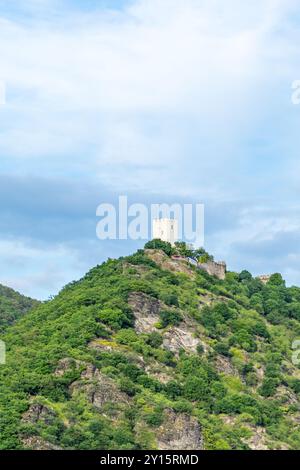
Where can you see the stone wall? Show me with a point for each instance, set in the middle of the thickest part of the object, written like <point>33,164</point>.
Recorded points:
<point>264,278</point>
<point>214,268</point>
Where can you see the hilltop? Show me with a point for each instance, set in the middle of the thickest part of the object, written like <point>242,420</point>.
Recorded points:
<point>12,306</point>
<point>150,352</point>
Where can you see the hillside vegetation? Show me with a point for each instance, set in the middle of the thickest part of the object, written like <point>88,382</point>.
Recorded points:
<point>147,352</point>
<point>12,306</point>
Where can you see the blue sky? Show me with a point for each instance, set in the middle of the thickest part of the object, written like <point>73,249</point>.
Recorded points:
<point>166,101</point>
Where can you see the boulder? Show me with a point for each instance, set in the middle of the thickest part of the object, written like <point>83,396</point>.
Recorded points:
<point>176,339</point>
<point>179,431</point>
<point>145,310</point>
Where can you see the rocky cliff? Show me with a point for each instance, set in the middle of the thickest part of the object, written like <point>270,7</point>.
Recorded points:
<point>149,352</point>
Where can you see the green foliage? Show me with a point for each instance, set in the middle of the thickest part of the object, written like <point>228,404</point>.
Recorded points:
<point>154,339</point>
<point>154,417</point>
<point>268,387</point>
<point>199,254</point>
<point>170,317</point>
<point>13,306</point>
<point>158,244</point>
<point>223,348</point>
<point>276,280</point>
<point>245,276</point>
<point>196,388</point>
<point>114,318</point>
<point>241,368</point>
<point>170,299</point>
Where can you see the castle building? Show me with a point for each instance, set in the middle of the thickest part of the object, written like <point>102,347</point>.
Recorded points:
<point>166,230</point>
<point>264,278</point>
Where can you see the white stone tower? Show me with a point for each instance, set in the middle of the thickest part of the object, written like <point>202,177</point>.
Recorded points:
<point>165,229</point>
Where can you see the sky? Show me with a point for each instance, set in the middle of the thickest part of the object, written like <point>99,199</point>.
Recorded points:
<point>163,101</point>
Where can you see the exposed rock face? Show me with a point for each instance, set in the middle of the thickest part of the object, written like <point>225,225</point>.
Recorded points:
<point>214,269</point>
<point>98,388</point>
<point>38,412</point>
<point>66,364</point>
<point>179,432</point>
<point>224,365</point>
<point>159,372</point>
<point>146,311</point>
<point>178,264</point>
<point>171,264</point>
<point>286,396</point>
<point>176,339</point>
<point>37,443</point>
<point>258,440</point>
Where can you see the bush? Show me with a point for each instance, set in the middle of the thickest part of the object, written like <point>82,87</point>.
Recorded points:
<point>245,276</point>
<point>276,280</point>
<point>182,406</point>
<point>127,386</point>
<point>170,317</point>
<point>173,389</point>
<point>170,299</point>
<point>154,417</point>
<point>268,387</point>
<point>114,318</point>
<point>157,244</point>
<point>127,336</point>
<point>200,349</point>
<point>196,388</point>
<point>154,339</point>
<point>223,349</point>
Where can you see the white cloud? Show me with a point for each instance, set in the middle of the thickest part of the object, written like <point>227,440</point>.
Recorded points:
<point>38,271</point>
<point>91,78</point>
<point>190,98</point>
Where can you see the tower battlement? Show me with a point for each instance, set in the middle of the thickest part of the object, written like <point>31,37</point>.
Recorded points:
<point>165,229</point>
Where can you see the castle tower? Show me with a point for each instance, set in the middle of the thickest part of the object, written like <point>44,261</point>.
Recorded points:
<point>165,229</point>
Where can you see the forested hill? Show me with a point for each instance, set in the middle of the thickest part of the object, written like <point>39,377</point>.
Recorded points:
<point>12,306</point>
<point>148,352</point>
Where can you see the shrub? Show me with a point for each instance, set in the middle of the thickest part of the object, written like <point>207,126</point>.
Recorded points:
<point>170,299</point>
<point>196,388</point>
<point>268,387</point>
<point>154,339</point>
<point>173,389</point>
<point>114,318</point>
<point>127,386</point>
<point>182,406</point>
<point>276,280</point>
<point>154,417</point>
<point>223,349</point>
<point>157,244</point>
<point>170,317</point>
<point>245,276</point>
<point>127,336</point>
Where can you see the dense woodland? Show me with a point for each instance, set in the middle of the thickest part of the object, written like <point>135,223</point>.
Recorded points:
<point>239,322</point>
<point>12,306</point>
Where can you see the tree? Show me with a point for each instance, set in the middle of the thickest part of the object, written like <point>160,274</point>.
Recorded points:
<point>157,244</point>
<point>276,280</point>
<point>170,317</point>
<point>183,250</point>
<point>245,276</point>
<point>196,388</point>
<point>268,387</point>
<point>223,349</point>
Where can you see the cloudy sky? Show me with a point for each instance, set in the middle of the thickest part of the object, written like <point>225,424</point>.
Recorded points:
<point>164,101</point>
